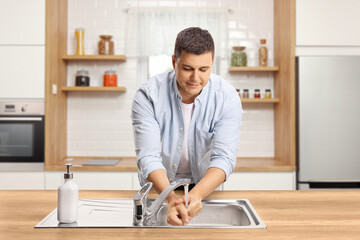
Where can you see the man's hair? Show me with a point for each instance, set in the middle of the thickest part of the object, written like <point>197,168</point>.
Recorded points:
<point>194,40</point>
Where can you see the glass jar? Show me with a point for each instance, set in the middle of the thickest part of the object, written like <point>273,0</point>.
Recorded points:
<point>267,93</point>
<point>263,53</point>
<point>257,93</point>
<point>82,78</point>
<point>110,78</point>
<point>238,57</point>
<point>106,45</point>
<point>245,93</point>
<point>79,34</point>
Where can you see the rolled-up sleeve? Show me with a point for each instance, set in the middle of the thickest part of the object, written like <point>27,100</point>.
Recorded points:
<point>226,136</point>
<point>147,136</point>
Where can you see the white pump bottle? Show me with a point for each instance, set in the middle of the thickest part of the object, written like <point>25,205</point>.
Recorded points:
<point>68,194</point>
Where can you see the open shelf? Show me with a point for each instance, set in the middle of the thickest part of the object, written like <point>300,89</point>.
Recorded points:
<point>119,58</point>
<point>94,89</point>
<point>253,69</point>
<point>260,100</point>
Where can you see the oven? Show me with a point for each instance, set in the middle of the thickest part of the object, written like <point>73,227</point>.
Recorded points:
<point>22,131</point>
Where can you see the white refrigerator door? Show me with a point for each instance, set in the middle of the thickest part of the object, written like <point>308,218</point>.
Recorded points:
<point>329,118</point>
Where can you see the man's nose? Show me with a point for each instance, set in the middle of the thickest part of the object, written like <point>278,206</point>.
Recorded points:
<point>195,75</point>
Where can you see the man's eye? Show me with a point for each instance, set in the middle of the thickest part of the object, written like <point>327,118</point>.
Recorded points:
<point>187,69</point>
<point>203,70</point>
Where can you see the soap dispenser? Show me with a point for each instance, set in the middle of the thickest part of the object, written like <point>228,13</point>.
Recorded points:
<point>68,194</point>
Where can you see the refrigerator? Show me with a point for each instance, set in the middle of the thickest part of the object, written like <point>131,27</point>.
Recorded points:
<point>328,122</point>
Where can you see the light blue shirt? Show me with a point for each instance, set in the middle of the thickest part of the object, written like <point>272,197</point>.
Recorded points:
<point>158,127</point>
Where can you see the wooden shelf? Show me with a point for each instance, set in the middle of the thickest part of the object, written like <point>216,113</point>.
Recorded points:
<point>119,58</point>
<point>94,89</point>
<point>260,100</point>
<point>253,69</point>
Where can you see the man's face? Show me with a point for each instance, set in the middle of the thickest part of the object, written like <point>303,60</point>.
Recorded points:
<point>192,73</point>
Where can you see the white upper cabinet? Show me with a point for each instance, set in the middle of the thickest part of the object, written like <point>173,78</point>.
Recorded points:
<point>328,23</point>
<point>22,71</point>
<point>22,22</point>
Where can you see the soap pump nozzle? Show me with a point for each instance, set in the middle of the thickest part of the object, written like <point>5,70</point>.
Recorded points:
<point>68,174</point>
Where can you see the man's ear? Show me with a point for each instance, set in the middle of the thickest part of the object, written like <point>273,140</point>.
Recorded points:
<point>173,61</point>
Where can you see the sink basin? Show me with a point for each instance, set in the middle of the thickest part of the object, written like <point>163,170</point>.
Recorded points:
<point>217,213</point>
<point>111,213</point>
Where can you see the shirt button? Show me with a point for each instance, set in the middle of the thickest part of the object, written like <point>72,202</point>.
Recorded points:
<point>181,129</point>
<point>178,148</point>
<point>174,165</point>
<point>179,108</point>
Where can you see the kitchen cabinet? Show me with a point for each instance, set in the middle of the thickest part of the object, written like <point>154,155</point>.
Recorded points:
<point>22,22</point>
<point>22,71</point>
<point>261,181</point>
<point>21,180</point>
<point>95,180</point>
<point>327,23</point>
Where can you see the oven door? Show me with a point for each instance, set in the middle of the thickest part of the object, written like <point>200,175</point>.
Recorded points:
<point>21,138</point>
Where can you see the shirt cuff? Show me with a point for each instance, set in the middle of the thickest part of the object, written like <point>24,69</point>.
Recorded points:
<point>223,164</point>
<point>148,165</point>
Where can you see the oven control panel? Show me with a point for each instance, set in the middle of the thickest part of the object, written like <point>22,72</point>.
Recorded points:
<point>22,107</point>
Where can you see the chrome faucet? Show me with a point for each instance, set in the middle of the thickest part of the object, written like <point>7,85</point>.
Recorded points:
<point>141,211</point>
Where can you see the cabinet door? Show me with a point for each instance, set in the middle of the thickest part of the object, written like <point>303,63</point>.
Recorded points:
<point>22,22</point>
<point>21,180</point>
<point>327,23</point>
<point>22,71</point>
<point>261,181</point>
<point>93,180</point>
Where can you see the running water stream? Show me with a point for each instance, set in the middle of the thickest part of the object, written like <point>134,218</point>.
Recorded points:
<point>186,189</point>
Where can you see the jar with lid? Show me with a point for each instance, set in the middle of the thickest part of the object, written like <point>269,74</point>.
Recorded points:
<point>238,57</point>
<point>257,93</point>
<point>110,78</point>
<point>263,53</point>
<point>106,45</point>
<point>245,93</point>
<point>82,78</point>
<point>79,34</point>
<point>267,93</point>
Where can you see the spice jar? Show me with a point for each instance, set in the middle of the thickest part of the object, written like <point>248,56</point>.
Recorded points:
<point>79,34</point>
<point>245,93</point>
<point>263,53</point>
<point>238,57</point>
<point>257,93</point>
<point>82,78</point>
<point>238,91</point>
<point>110,79</point>
<point>267,93</point>
<point>106,45</point>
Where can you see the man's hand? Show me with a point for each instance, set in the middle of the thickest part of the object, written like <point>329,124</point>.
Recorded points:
<point>177,213</point>
<point>195,205</point>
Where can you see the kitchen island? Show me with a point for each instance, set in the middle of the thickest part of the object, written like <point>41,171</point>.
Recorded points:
<point>322,214</point>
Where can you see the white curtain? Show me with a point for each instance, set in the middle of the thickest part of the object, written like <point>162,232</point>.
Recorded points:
<point>152,31</point>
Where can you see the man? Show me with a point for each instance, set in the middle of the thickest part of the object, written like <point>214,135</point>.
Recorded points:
<point>187,125</point>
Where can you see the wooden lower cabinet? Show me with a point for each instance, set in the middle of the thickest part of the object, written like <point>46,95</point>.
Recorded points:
<point>261,181</point>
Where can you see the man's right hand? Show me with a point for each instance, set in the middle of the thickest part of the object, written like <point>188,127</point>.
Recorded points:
<point>177,213</point>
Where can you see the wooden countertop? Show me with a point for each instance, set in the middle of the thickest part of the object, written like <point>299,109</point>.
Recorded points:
<point>310,214</point>
<point>128,164</point>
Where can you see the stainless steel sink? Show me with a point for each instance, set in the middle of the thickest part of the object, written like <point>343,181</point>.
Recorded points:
<point>102,213</point>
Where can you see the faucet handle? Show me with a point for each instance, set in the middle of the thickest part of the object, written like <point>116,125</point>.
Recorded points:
<point>141,194</point>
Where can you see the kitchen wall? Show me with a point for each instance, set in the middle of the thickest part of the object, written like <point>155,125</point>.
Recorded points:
<point>99,124</point>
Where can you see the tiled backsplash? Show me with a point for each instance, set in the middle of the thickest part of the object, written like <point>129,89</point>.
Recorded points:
<point>99,123</point>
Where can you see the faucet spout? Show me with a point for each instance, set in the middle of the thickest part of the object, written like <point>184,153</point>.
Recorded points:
<point>164,194</point>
